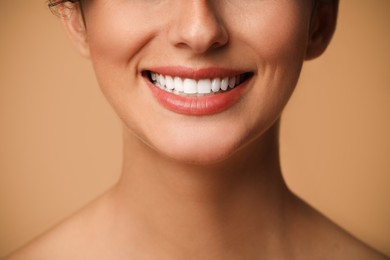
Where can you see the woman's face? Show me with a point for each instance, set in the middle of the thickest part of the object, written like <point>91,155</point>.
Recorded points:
<point>142,49</point>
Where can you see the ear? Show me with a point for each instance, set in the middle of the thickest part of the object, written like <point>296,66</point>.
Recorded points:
<point>74,24</point>
<point>322,27</point>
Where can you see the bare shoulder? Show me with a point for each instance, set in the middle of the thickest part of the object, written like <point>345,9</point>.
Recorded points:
<point>67,240</point>
<point>51,245</point>
<point>323,239</point>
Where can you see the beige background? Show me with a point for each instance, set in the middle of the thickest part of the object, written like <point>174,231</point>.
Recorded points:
<point>60,142</point>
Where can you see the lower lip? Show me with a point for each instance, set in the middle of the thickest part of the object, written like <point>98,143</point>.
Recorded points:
<point>198,106</point>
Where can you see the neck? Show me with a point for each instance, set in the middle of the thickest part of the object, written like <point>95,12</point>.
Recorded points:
<point>212,206</point>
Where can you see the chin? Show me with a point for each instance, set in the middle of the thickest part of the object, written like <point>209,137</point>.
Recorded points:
<point>200,151</point>
<point>199,157</point>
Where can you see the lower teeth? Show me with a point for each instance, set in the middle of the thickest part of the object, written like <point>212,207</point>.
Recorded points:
<point>181,93</point>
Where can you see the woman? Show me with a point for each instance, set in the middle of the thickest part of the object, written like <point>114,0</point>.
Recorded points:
<point>199,86</point>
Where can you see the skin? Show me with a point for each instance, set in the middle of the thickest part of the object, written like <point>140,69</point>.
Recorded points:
<point>199,187</point>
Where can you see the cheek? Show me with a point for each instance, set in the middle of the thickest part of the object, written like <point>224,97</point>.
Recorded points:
<point>277,38</point>
<point>277,32</point>
<point>115,46</point>
<point>118,40</point>
<point>281,45</point>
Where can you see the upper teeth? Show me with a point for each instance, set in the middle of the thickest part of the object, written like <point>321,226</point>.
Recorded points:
<point>191,86</point>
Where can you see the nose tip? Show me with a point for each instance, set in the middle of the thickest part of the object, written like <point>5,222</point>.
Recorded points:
<point>198,28</point>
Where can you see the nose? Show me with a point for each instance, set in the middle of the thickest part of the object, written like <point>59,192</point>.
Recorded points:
<point>197,26</point>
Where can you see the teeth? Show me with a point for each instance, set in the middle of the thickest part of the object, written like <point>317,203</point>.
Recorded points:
<point>161,80</point>
<point>169,83</point>
<point>224,83</point>
<point>204,86</point>
<point>190,86</point>
<point>216,85</point>
<point>232,82</point>
<point>178,84</point>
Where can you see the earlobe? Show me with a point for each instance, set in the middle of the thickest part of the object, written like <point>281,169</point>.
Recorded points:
<point>322,27</point>
<point>73,22</point>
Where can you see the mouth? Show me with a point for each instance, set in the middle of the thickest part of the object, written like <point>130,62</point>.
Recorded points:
<point>200,92</point>
<point>196,86</point>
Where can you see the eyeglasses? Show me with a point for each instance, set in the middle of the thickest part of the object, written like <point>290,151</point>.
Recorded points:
<point>53,3</point>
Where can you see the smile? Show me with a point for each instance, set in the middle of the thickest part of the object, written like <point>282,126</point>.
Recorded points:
<point>192,87</point>
<point>197,92</point>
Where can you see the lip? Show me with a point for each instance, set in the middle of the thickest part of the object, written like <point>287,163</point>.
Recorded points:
<point>202,73</point>
<point>197,105</point>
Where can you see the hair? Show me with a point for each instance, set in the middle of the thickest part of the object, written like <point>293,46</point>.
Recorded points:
<point>61,8</point>
<point>65,8</point>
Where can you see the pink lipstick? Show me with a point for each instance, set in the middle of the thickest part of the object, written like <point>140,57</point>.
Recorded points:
<point>199,92</point>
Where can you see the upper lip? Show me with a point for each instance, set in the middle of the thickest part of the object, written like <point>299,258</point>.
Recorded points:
<point>199,73</point>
